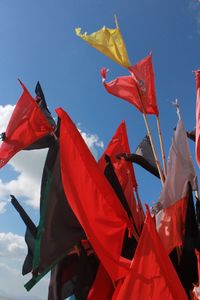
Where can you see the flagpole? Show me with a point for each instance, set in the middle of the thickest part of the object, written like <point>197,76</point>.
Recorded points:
<point>162,178</point>
<point>161,145</point>
<point>153,147</point>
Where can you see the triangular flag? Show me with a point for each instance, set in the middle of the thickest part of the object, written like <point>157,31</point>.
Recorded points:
<point>27,124</point>
<point>109,42</point>
<point>152,275</point>
<point>138,89</point>
<point>92,199</point>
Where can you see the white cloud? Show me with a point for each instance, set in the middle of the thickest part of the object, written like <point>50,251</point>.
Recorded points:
<point>12,246</point>
<point>93,142</point>
<point>5,113</point>
<point>2,205</point>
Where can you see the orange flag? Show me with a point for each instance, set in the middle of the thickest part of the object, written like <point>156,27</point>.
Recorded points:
<point>138,89</point>
<point>152,275</point>
<point>197,141</point>
<point>92,199</point>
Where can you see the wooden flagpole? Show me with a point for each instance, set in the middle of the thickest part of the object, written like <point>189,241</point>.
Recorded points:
<point>153,146</point>
<point>149,134</point>
<point>161,145</point>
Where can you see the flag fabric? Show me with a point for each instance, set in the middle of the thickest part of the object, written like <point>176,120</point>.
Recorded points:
<point>42,103</point>
<point>92,199</point>
<point>124,170</point>
<point>130,238</point>
<point>173,199</point>
<point>197,141</point>
<point>27,124</point>
<point>151,275</point>
<point>103,287</point>
<point>109,42</point>
<point>74,274</point>
<point>30,236</point>
<point>187,264</point>
<point>143,156</point>
<point>138,89</point>
<point>192,134</point>
<point>58,230</point>
<point>47,140</point>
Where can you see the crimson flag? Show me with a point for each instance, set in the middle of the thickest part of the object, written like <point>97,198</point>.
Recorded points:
<point>138,89</point>
<point>92,199</point>
<point>152,275</point>
<point>27,124</point>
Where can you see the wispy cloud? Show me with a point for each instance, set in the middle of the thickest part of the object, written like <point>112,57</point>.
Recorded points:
<point>12,246</point>
<point>12,277</point>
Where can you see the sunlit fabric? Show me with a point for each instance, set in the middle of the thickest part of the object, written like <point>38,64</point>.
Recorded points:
<point>109,42</point>
<point>27,124</point>
<point>138,89</point>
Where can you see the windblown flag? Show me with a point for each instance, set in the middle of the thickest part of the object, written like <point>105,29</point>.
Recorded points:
<point>103,287</point>
<point>59,229</point>
<point>192,134</point>
<point>74,274</point>
<point>151,275</point>
<point>197,141</point>
<point>92,199</point>
<point>138,89</point>
<point>123,169</point>
<point>27,124</point>
<point>109,42</point>
<point>47,140</point>
<point>42,103</point>
<point>143,156</point>
<point>187,269</point>
<point>30,236</point>
<point>173,200</point>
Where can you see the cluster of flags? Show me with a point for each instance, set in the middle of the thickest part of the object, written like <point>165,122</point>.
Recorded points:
<point>93,234</point>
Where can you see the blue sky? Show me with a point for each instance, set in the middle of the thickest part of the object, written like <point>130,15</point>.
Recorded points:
<point>38,42</point>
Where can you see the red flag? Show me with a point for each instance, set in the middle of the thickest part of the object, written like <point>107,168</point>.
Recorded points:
<point>197,141</point>
<point>103,287</point>
<point>92,199</point>
<point>27,124</point>
<point>123,169</point>
<point>138,89</point>
<point>152,275</point>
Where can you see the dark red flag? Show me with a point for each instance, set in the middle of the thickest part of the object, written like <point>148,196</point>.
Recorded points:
<point>92,199</point>
<point>138,89</point>
<point>27,124</point>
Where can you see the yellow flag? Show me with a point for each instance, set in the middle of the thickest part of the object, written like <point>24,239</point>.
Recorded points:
<point>109,42</point>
